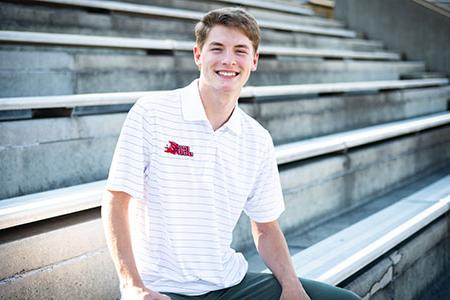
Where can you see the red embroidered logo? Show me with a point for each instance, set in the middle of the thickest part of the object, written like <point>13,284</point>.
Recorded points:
<point>176,149</point>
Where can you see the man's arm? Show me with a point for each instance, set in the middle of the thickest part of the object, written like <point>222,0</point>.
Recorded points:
<point>272,247</point>
<point>116,226</point>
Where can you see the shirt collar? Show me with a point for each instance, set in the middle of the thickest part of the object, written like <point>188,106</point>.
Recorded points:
<point>193,110</point>
<point>234,122</point>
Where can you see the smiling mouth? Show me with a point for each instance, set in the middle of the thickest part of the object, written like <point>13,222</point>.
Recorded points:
<point>227,74</point>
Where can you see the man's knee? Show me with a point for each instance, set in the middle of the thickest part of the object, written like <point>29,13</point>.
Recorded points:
<point>317,290</point>
<point>349,295</point>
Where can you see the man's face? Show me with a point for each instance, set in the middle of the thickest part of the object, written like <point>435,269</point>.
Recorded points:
<point>226,59</point>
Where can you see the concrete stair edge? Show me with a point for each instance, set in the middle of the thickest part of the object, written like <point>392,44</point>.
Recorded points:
<point>34,207</point>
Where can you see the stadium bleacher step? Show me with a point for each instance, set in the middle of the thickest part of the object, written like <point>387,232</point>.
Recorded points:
<point>292,14</point>
<point>352,140</point>
<point>178,23</point>
<point>422,75</point>
<point>291,118</point>
<point>32,38</point>
<point>81,244</point>
<point>39,206</point>
<point>311,235</point>
<point>440,289</point>
<point>89,70</point>
<point>249,94</point>
<point>94,136</point>
<point>274,6</point>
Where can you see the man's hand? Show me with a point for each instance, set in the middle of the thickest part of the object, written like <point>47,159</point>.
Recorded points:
<point>137,293</point>
<point>294,292</point>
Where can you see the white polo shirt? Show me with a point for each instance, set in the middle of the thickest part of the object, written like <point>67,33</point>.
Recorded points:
<point>189,185</point>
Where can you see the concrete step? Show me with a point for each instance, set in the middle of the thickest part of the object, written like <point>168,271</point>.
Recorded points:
<point>299,240</point>
<point>65,256</point>
<point>410,229</point>
<point>439,288</point>
<point>277,5</point>
<point>263,14</point>
<point>76,40</point>
<point>94,17</point>
<point>296,117</point>
<point>203,6</point>
<point>421,75</point>
<point>67,151</point>
<point>145,21</point>
<point>339,182</point>
<point>28,208</point>
<point>249,94</point>
<point>41,253</point>
<point>310,110</point>
<point>277,10</point>
<point>43,71</point>
<point>65,259</point>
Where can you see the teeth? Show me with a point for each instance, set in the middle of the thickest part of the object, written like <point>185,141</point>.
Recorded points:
<point>227,73</point>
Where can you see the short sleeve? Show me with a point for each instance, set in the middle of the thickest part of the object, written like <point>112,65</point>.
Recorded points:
<point>265,202</point>
<point>130,160</point>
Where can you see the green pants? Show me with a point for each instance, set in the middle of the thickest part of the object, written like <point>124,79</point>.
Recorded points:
<point>262,286</point>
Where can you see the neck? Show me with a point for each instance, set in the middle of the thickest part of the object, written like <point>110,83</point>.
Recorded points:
<point>218,105</point>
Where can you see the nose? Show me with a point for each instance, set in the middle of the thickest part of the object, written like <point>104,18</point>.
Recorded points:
<point>228,58</point>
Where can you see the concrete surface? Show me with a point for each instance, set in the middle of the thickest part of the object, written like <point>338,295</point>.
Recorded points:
<point>313,233</point>
<point>34,246</point>
<point>395,275</point>
<point>44,154</point>
<point>98,71</point>
<point>62,258</point>
<point>295,119</point>
<point>324,187</point>
<point>98,19</point>
<point>391,22</point>
<point>439,289</point>
<point>65,258</point>
<point>79,21</point>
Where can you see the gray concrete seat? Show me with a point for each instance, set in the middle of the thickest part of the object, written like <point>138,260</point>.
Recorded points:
<point>40,206</point>
<point>189,14</point>
<point>133,20</point>
<point>84,64</point>
<point>40,70</point>
<point>274,6</point>
<point>32,38</point>
<point>82,255</point>
<point>341,255</point>
<point>78,149</point>
<point>368,248</point>
<point>346,131</point>
<point>249,94</point>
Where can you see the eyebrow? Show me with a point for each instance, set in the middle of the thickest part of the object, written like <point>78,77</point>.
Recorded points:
<point>212,44</point>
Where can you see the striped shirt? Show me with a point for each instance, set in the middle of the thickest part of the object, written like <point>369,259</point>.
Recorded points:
<point>189,185</point>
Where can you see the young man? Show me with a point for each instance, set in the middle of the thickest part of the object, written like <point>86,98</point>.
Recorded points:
<point>187,163</point>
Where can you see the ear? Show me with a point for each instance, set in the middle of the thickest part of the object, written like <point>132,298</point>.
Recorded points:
<point>255,61</point>
<point>197,54</point>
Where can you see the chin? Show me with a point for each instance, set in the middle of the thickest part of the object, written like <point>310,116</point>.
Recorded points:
<point>229,87</point>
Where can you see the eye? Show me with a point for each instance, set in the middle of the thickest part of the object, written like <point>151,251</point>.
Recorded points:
<point>215,49</point>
